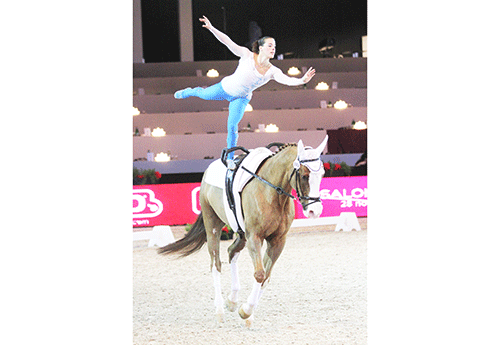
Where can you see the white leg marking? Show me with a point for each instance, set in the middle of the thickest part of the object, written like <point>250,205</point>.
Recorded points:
<point>253,299</point>
<point>232,299</point>
<point>235,280</point>
<point>257,302</point>
<point>218,301</point>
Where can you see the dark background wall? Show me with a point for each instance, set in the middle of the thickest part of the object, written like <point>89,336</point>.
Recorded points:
<point>160,30</point>
<point>297,26</point>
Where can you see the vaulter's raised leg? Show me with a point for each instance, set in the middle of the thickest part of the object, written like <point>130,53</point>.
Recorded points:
<point>211,93</point>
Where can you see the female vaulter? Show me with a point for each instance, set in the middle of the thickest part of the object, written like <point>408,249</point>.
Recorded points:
<point>253,71</point>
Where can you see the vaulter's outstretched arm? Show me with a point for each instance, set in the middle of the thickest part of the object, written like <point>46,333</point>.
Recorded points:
<point>223,38</point>
<point>281,78</point>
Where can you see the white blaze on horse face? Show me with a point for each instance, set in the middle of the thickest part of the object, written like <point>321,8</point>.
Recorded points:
<point>314,210</point>
<point>316,174</point>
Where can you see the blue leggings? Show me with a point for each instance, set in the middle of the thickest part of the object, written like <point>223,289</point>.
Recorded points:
<point>236,108</point>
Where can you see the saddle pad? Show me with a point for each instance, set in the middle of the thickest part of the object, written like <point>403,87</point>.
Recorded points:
<point>252,162</point>
<point>216,174</point>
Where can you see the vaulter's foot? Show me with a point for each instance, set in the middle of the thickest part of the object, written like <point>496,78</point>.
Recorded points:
<point>230,164</point>
<point>181,93</point>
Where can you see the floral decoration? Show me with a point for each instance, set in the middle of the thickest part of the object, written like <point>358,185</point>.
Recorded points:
<point>146,176</point>
<point>336,169</point>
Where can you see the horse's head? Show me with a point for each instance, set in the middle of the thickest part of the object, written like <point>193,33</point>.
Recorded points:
<point>309,172</point>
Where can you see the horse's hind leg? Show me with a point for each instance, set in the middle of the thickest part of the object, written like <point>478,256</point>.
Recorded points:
<point>234,253</point>
<point>213,226</point>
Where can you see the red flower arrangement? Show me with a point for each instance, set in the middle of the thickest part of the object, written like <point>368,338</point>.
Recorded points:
<point>148,176</point>
<point>336,169</point>
<point>227,233</point>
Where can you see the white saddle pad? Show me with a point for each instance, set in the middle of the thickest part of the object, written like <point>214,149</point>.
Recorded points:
<point>216,176</point>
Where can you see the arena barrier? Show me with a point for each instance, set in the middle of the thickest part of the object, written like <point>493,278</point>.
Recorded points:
<point>347,221</point>
<point>161,235</point>
<point>178,204</point>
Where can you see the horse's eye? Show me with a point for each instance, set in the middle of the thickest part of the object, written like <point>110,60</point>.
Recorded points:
<point>305,177</point>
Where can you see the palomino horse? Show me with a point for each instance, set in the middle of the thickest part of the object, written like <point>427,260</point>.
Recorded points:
<point>269,211</point>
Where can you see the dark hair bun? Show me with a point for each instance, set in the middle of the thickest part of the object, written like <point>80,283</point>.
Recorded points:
<point>255,47</point>
<point>258,43</point>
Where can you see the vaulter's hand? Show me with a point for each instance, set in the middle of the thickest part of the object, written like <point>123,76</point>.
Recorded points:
<point>205,20</point>
<point>309,74</point>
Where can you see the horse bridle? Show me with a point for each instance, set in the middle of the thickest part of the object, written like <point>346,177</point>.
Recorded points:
<point>295,172</point>
<point>297,184</point>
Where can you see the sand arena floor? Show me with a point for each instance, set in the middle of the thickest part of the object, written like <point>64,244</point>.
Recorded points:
<point>317,293</point>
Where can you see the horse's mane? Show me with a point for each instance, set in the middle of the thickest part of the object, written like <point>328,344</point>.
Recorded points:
<point>281,148</point>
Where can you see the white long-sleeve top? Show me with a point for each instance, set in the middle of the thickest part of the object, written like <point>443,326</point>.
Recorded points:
<point>246,78</point>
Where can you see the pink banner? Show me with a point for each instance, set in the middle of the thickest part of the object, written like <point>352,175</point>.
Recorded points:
<point>341,194</point>
<point>165,204</point>
<point>174,204</point>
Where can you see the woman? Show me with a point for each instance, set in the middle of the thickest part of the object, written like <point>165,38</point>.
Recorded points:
<point>253,71</point>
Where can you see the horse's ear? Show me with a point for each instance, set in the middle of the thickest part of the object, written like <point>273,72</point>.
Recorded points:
<point>321,147</point>
<point>300,147</point>
<point>300,150</point>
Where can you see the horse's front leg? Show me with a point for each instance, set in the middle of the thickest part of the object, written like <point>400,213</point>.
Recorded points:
<point>234,252</point>
<point>232,299</point>
<point>254,248</point>
<point>274,248</point>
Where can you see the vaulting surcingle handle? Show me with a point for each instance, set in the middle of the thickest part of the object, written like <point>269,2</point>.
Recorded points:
<point>274,144</point>
<point>226,151</point>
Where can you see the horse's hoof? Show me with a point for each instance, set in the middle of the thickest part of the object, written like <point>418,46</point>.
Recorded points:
<point>219,314</point>
<point>231,306</point>
<point>249,321</point>
<point>242,313</point>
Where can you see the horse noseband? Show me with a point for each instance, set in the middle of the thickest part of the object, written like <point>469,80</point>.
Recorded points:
<point>296,172</point>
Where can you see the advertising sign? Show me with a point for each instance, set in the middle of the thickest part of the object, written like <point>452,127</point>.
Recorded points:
<point>174,204</point>
<point>341,194</point>
<point>165,204</point>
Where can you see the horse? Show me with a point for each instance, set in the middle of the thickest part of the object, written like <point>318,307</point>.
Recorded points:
<point>268,210</point>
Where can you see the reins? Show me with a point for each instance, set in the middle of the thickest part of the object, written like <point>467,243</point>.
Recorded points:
<point>278,189</point>
<point>281,191</point>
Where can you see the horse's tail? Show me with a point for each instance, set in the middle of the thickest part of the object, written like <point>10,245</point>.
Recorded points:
<point>189,244</point>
